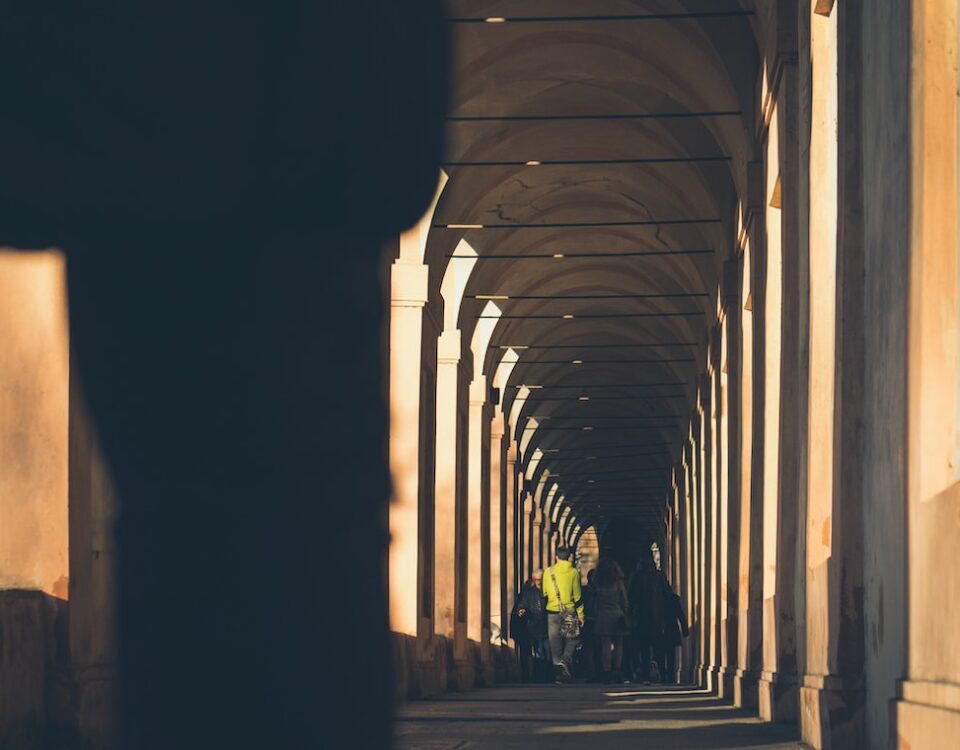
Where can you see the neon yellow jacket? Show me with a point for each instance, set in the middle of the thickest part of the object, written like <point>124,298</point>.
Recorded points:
<point>568,579</point>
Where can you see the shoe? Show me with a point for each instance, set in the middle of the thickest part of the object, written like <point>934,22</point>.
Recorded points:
<point>565,671</point>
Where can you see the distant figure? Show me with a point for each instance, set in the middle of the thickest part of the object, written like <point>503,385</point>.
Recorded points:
<point>564,611</point>
<point>528,627</point>
<point>646,596</point>
<point>674,631</point>
<point>590,645</point>
<point>611,621</point>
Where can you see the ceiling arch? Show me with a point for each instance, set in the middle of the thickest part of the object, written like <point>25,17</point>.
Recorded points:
<point>594,168</point>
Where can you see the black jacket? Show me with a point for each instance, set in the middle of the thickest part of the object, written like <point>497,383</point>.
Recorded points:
<point>676,626</point>
<point>533,624</point>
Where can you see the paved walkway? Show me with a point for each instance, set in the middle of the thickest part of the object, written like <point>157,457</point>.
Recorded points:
<point>585,717</point>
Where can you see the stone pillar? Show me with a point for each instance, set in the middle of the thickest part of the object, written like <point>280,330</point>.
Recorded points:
<point>536,539</point>
<point>510,526</point>
<point>475,504</point>
<point>408,296</point>
<point>750,563</point>
<point>928,710</point>
<point>34,562</point>
<point>689,567</point>
<point>714,448</point>
<point>446,486</point>
<point>832,696</point>
<point>497,530</point>
<point>529,515</point>
<point>784,397</point>
<point>704,485</point>
<point>730,476</point>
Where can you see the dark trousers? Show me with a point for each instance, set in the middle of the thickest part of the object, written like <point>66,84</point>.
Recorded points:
<point>644,651</point>
<point>534,659</point>
<point>668,664</point>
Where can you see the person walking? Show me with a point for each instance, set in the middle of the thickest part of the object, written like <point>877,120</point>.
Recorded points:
<point>528,628</point>
<point>611,620</point>
<point>561,585</point>
<point>646,614</point>
<point>674,631</point>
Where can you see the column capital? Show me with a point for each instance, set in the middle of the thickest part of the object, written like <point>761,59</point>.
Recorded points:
<point>496,424</point>
<point>478,392</point>
<point>449,347</point>
<point>409,284</point>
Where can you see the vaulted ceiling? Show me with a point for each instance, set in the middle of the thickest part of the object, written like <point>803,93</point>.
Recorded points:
<point>595,152</point>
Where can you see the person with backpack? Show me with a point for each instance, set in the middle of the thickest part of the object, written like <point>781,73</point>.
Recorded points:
<point>561,585</point>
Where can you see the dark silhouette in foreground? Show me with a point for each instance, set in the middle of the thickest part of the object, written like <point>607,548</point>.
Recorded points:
<point>222,178</point>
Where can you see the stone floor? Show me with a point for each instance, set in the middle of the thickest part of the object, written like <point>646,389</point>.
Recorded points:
<point>586,717</point>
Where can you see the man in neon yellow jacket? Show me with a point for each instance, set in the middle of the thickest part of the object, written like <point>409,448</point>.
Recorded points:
<point>564,576</point>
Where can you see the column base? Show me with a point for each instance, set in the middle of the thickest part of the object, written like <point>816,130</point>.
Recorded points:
<point>713,680</point>
<point>462,676</point>
<point>745,688</point>
<point>777,697</point>
<point>725,678</point>
<point>927,713</point>
<point>831,713</point>
<point>700,675</point>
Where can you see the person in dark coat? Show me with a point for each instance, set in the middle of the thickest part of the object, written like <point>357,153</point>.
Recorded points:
<point>610,624</point>
<point>646,596</point>
<point>674,631</point>
<point>528,628</point>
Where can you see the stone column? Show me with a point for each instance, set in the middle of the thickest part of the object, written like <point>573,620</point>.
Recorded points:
<point>510,526</point>
<point>750,562</point>
<point>34,531</point>
<point>408,296</point>
<point>730,475</point>
<point>712,471</point>
<point>688,547</point>
<point>784,414</point>
<point>445,494</point>
<point>497,535</point>
<point>928,709</point>
<point>704,487</point>
<point>528,520</point>
<point>475,503</point>
<point>536,539</point>
<point>832,696</point>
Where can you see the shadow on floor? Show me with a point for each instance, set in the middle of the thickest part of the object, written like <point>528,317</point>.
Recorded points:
<point>586,717</point>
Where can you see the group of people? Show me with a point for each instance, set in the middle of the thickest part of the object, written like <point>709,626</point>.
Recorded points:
<point>613,629</point>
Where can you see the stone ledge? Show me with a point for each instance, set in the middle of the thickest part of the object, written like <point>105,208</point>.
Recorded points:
<point>922,724</point>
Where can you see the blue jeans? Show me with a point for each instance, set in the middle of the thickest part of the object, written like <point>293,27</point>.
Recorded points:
<point>562,648</point>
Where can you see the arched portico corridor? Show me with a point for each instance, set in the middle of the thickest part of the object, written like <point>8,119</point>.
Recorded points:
<point>324,326</point>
